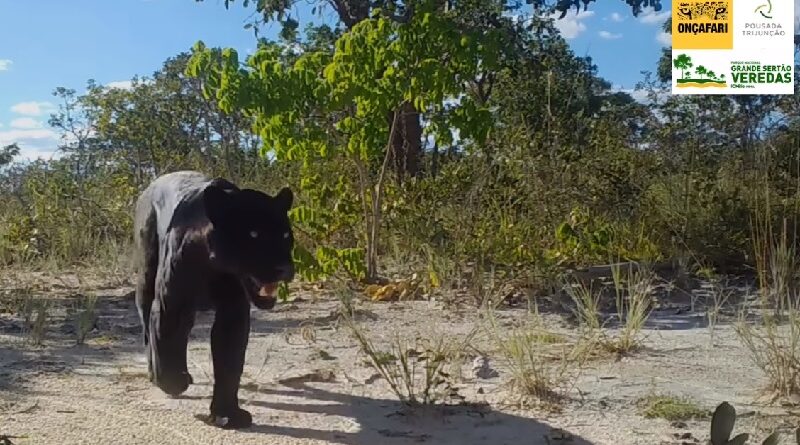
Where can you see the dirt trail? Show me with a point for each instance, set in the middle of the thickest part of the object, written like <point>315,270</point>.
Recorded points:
<point>306,383</point>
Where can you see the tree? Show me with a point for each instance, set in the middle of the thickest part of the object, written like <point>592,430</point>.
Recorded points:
<point>154,126</point>
<point>477,45</point>
<point>701,71</point>
<point>683,63</point>
<point>327,105</point>
<point>406,147</point>
<point>8,153</point>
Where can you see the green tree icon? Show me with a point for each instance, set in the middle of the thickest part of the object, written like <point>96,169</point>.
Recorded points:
<point>683,62</point>
<point>701,71</point>
<point>711,75</point>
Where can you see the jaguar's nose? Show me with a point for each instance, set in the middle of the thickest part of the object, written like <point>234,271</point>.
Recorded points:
<point>286,272</point>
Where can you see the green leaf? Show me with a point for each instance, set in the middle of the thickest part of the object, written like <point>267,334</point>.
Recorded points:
<point>741,439</point>
<point>283,292</point>
<point>722,423</point>
<point>565,232</point>
<point>772,439</point>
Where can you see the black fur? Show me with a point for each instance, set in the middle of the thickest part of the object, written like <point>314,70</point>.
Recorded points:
<point>205,244</point>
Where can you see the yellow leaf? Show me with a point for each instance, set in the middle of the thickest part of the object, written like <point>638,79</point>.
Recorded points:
<point>434,278</point>
<point>371,290</point>
<point>385,293</point>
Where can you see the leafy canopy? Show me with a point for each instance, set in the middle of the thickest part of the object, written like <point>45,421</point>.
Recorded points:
<point>322,105</point>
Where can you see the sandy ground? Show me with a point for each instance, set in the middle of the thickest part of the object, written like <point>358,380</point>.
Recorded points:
<point>306,382</point>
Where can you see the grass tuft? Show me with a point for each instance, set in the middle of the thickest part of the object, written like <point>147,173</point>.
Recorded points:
<point>671,408</point>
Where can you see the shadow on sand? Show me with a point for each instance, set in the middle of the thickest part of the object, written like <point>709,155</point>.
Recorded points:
<point>385,421</point>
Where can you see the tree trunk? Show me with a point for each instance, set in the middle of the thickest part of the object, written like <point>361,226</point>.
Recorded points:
<point>406,143</point>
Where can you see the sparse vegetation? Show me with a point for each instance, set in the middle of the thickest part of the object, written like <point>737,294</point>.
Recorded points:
<point>86,317</point>
<point>455,154</point>
<point>672,408</point>
<point>773,341</point>
<point>721,294</point>
<point>633,302</point>
<point>774,346</point>
<point>35,313</point>
<point>420,370</point>
<point>722,424</point>
<point>587,305</point>
<point>543,365</point>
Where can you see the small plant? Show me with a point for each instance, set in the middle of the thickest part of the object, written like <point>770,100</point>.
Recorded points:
<point>543,365</point>
<point>720,295</point>
<point>347,300</point>
<point>722,426</point>
<point>782,269</point>
<point>440,270</point>
<point>484,287</point>
<point>670,408</point>
<point>775,349</point>
<point>587,305</point>
<point>418,371</point>
<point>633,302</point>
<point>35,313</point>
<point>774,342</point>
<point>86,317</point>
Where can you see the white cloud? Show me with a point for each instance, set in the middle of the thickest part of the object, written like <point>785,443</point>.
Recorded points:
<point>33,143</point>
<point>5,64</point>
<point>33,108</point>
<point>121,84</point>
<point>616,17</point>
<point>25,123</point>
<point>649,16</point>
<point>32,154</point>
<point>608,35</point>
<point>664,38</point>
<point>572,25</point>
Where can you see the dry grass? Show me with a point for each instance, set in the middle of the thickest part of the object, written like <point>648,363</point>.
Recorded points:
<point>35,313</point>
<point>544,365</point>
<point>720,296</point>
<point>774,346</point>
<point>420,370</point>
<point>633,302</point>
<point>86,317</point>
<point>773,342</point>
<point>587,305</point>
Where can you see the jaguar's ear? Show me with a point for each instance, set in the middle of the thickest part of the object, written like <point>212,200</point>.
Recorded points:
<point>284,199</point>
<point>218,202</point>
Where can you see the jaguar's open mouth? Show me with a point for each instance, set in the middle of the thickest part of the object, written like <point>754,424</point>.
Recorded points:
<point>266,297</point>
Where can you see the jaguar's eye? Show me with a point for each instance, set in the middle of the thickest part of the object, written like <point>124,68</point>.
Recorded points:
<point>286,235</point>
<point>253,234</point>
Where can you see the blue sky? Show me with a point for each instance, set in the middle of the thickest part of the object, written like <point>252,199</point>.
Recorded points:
<point>45,44</point>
